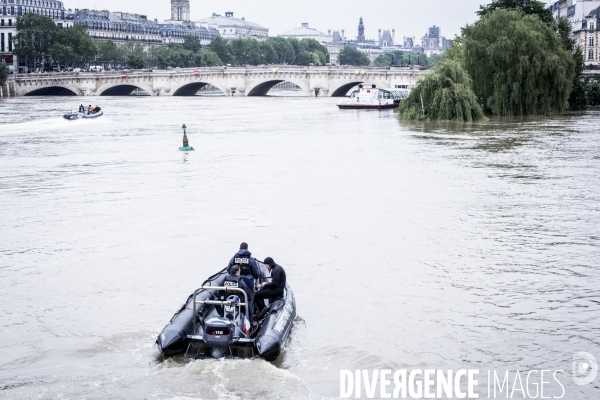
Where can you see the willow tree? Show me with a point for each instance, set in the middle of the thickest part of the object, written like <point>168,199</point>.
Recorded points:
<point>443,95</point>
<point>3,73</point>
<point>518,64</point>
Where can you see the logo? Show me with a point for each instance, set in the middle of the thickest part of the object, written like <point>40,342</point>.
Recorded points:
<point>585,368</point>
<point>241,261</point>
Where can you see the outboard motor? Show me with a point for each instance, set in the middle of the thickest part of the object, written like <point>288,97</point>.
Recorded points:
<point>218,334</point>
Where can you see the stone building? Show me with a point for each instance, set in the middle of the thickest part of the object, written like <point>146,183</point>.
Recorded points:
<point>173,32</point>
<point>305,32</point>
<point>386,40</point>
<point>234,28</point>
<point>10,10</point>
<point>433,42</point>
<point>180,10</point>
<point>574,10</point>
<point>587,37</point>
<point>119,27</point>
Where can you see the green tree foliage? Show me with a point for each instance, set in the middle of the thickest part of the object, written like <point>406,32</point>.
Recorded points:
<point>175,55</point>
<point>443,95</point>
<point>529,7</point>
<point>283,49</point>
<point>192,43</point>
<point>39,38</point>
<point>350,55</point>
<point>245,51</point>
<point>219,46</point>
<point>518,63</point>
<point>3,73</point>
<point>434,59</point>
<point>135,55</point>
<point>36,35</point>
<point>73,46</point>
<point>455,52</point>
<point>593,92</point>
<point>107,52</point>
<point>398,58</point>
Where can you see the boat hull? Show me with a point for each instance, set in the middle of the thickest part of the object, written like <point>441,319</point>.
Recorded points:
<point>178,336</point>
<point>367,106</point>
<point>74,116</point>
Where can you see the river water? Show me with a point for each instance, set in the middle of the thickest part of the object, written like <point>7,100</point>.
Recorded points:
<point>408,246</point>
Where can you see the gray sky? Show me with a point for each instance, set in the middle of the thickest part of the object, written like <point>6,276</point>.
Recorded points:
<point>408,17</point>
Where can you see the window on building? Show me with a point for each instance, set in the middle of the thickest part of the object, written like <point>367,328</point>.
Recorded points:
<point>10,42</point>
<point>2,42</point>
<point>591,54</point>
<point>1,22</point>
<point>10,22</point>
<point>591,42</point>
<point>592,26</point>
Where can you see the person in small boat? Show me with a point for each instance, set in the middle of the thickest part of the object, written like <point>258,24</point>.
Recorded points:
<point>96,109</point>
<point>90,109</point>
<point>248,269</point>
<point>81,108</point>
<point>271,290</point>
<point>235,280</point>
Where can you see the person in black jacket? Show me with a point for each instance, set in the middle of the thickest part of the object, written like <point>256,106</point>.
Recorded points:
<point>273,289</point>
<point>235,280</point>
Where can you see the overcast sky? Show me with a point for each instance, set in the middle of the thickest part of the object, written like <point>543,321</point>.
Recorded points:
<point>408,17</point>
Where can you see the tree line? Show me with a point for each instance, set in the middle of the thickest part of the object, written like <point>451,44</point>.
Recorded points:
<point>39,39</point>
<point>399,57</point>
<point>517,59</point>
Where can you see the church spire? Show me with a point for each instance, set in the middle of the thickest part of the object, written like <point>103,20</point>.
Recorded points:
<point>361,31</point>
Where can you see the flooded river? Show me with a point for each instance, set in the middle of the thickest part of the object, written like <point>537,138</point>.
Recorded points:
<point>408,246</point>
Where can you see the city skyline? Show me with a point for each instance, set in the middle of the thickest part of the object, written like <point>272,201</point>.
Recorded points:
<point>404,16</point>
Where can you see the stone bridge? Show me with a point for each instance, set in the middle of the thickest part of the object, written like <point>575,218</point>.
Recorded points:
<point>232,81</point>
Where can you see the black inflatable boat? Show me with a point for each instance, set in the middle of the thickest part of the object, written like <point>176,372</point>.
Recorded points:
<point>211,323</point>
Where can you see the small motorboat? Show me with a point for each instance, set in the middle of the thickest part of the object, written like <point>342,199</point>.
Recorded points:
<point>373,98</point>
<point>73,116</point>
<point>211,323</point>
<point>95,114</point>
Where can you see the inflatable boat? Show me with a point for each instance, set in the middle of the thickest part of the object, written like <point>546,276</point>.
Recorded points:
<point>77,115</point>
<point>212,323</point>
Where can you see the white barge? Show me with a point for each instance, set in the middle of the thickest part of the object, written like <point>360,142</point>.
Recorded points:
<point>373,98</point>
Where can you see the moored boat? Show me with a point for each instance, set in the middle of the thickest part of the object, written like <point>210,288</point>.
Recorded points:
<point>211,323</point>
<point>373,98</point>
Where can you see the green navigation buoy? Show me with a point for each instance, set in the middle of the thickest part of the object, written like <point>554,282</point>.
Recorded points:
<point>186,145</point>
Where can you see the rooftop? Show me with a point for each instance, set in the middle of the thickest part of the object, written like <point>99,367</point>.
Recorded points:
<point>229,20</point>
<point>304,30</point>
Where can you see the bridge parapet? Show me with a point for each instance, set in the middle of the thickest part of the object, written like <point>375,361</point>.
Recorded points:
<point>232,81</point>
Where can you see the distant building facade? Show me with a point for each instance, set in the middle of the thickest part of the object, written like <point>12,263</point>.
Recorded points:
<point>386,39</point>
<point>587,37</point>
<point>574,10</point>
<point>180,10</point>
<point>119,27</point>
<point>305,32</point>
<point>234,28</point>
<point>10,10</point>
<point>433,42</point>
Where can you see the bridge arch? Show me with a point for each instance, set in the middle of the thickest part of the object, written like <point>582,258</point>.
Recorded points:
<point>342,90</point>
<point>262,88</point>
<point>55,90</point>
<point>122,89</point>
<point>192,88</point>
